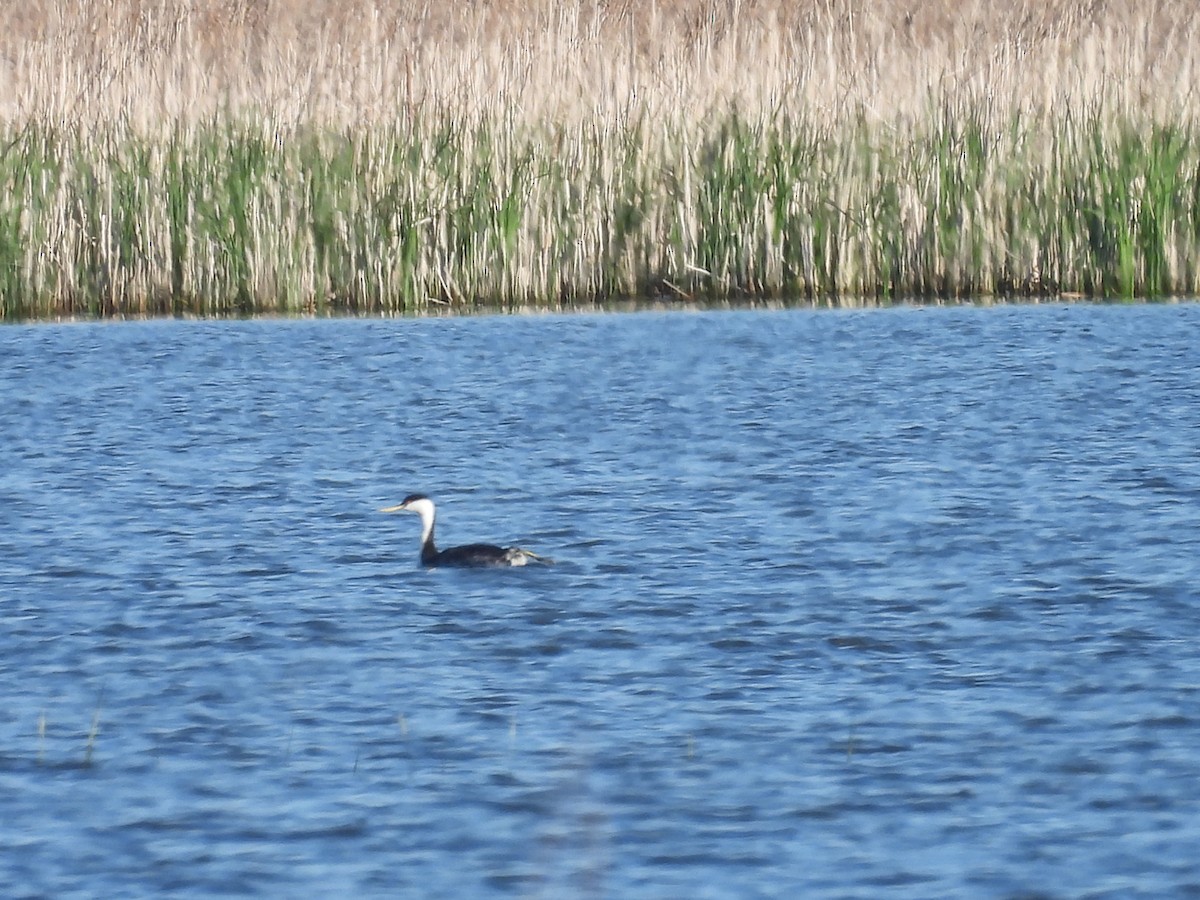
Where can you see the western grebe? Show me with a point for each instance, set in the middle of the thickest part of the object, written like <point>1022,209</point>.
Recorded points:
<point>473,555</point>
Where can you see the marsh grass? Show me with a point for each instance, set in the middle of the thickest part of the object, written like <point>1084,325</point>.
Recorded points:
<point>93,732</point>
<point>66,744</point>
<point>210,159</point>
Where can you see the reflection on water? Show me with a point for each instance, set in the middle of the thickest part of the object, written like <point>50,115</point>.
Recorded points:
<point>897,601</point>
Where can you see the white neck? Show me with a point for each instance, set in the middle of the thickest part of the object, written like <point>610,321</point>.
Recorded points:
<point>425,509</point>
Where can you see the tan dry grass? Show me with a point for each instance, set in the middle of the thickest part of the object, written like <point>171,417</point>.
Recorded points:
<point>354,62</point>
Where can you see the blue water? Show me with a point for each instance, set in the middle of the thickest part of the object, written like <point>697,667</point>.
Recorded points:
<point>893,603</point>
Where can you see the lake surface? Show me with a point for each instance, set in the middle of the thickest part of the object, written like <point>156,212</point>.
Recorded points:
<point>895,603</point>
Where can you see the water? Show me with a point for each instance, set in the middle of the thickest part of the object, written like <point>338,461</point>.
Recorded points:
<point>896,603</point>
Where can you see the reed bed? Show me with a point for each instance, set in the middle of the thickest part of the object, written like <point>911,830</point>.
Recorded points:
<point>214,158</point>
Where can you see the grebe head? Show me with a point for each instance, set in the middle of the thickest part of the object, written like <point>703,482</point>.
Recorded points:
<point>417,503</point>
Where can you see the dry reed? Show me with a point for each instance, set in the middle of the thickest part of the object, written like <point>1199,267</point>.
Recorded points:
<point>216,156</point>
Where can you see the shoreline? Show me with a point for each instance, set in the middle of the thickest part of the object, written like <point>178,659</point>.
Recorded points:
<point>619,308</point>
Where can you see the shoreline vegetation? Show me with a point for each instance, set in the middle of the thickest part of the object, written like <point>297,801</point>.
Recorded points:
<point>245,157</point>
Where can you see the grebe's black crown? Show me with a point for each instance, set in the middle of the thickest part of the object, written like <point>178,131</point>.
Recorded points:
<point>411,497</point>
